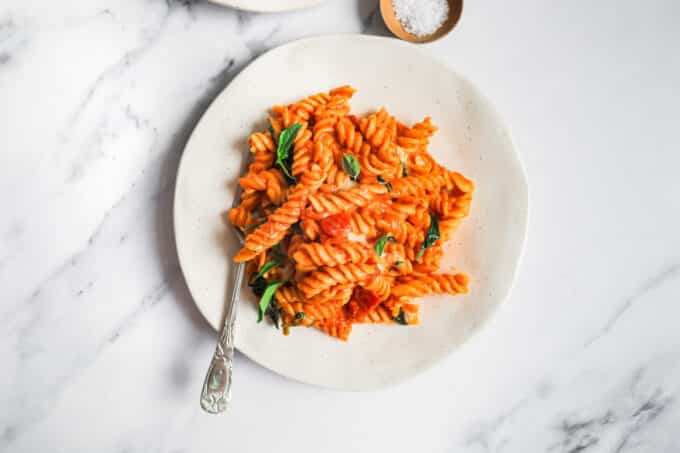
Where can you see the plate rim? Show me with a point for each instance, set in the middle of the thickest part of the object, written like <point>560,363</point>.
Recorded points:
<point>243,5</point>
<point>505,128</point>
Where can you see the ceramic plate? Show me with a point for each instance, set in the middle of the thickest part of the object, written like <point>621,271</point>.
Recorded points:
<point>411,85</point>
<point>268,6</point>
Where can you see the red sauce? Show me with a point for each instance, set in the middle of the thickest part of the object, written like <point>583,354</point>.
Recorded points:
<point>366,299</point>
<point>352,309</point>
<point>335,225</point>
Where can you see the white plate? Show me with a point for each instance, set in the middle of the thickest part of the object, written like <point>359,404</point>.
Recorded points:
<point>268,6</point>
<point>471,139</point>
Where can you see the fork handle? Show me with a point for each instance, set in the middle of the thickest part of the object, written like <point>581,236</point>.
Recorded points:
<point>216,391</point>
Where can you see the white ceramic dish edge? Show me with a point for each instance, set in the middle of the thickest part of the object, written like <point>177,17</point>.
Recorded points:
<point>268,6</point>
<point>502,298</point>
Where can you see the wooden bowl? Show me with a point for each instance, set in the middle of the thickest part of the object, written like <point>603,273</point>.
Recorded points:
<point>387,11</point>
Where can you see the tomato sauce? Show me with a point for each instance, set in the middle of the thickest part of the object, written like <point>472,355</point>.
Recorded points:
<point>335,225</point>
<point>367,300</point>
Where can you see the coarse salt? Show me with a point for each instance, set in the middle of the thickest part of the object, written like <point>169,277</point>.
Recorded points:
<point>421,17</point>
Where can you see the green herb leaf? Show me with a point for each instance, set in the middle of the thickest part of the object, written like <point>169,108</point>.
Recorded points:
<point>269,265</point>
<point>401,318</point>
<point>385,183</point>
<point>257,284</point>
<point>351,166</point>
<point>286,140</point>
<point>299,316</point>
<point>274,313</point>
<point>284,158</point>
<point>278,253</point>
<point>431,237</point>
<point>266,298</point>
<point>380,244</point>
<point>254,225</point>
<point>288,170</point>
<point>398,263</point>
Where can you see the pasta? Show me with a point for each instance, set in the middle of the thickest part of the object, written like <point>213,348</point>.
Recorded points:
<point>345,217</point>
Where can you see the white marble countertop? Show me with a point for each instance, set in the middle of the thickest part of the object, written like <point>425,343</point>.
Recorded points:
<point>102,349</point>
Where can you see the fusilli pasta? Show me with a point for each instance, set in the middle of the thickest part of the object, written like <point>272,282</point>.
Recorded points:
<point>345,216</point>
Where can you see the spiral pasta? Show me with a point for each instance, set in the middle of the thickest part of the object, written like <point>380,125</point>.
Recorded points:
<point>327,277</point>
<point>420,285</point>
<point>345,217</point>
<point>275,228</point>
<point>344,200</point>
<point>311,255</point>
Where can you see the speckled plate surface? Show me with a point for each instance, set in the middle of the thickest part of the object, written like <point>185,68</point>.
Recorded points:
<point>268,6</point>
<point>411,85</point>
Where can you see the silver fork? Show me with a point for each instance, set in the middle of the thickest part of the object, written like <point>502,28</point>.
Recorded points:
<point>216,391</point>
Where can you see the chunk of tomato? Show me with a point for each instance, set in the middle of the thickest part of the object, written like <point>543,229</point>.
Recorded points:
<point>335,225</point>
<point>366,299</point>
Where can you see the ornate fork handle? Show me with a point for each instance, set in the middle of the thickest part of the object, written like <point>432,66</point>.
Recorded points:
<point>217,386</point>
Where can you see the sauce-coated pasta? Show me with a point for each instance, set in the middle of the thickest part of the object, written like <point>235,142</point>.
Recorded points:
<point>345,216</point>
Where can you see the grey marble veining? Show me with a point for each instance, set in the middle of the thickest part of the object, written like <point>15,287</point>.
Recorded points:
<point>102,349</point>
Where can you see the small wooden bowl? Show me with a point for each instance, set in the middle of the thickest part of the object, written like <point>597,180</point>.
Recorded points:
<point>387,11</point>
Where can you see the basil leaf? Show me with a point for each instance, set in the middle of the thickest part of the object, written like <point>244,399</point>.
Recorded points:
<point>385,183</point>
<point>288,170</point>
<point>398,263</point>
<point>274,313</point>
<point>433,232</point>
<point>254,225</point>
<point>278,253</point>
<point>269,265</point>
<point>401,318</point>
<point>257,284</point>
<point>284,158</point>
<point>351,166</point>
<point>266,298</point>
<point>286,139</point>
<point>431,237</point>
<point>380,244</point>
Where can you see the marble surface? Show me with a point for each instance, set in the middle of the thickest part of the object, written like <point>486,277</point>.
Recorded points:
<point>102,349</point>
